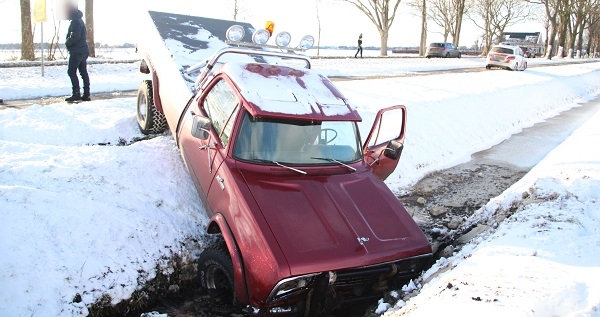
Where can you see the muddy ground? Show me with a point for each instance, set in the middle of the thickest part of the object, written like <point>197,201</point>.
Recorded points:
<point>440,201</point>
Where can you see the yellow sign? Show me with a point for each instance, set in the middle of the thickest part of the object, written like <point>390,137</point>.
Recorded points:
<point>39,11</point>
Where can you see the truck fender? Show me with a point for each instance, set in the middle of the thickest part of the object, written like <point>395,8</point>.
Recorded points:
<point>147,67</point>
<point>218,224</point>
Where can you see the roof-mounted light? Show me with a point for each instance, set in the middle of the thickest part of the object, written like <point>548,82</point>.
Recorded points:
<point>235,33</point>
<point>260,36</point>
<point>283,39</point>
<point>307,42</point>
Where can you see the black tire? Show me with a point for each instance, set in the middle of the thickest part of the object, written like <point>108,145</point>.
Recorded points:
<point>447,55</point>
<point>525,67</point>
<point>488,67</point>
<point>215,272</point>
<point>150,120</point>
<point>459,55</point>
<point>429,57</point>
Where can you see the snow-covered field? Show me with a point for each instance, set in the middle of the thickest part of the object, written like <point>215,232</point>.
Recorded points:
<point>77,218</point>
<point>26,82</point>
<point>451,116</point>
<point>542,261</point>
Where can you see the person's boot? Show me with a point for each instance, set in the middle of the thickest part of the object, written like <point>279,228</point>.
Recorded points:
<point>75,97</point>
<point>86,94</point>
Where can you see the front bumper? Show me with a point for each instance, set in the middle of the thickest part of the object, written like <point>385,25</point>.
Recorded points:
<point>331,289</point>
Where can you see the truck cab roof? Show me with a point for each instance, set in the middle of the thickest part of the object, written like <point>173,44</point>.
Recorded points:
<point>277,91</point>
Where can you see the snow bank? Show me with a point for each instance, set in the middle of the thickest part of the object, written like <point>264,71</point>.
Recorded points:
<point>28,83</point>
<point>542,261</point>
<point>83,219</point>
<point>451,116</point>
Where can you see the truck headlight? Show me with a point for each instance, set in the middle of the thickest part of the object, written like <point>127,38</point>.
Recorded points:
<point>283,39</point>
<point>260,36</point>
<point>307,42</point>
<point>290,286</point>
<point>235,33</point>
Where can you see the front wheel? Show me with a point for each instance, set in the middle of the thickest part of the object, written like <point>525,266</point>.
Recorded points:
<point>150,120</point>
<point>215,272</point>
<point>488,67</point>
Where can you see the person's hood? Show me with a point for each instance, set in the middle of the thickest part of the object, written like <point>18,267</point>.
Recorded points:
<point>75,14</point>
<point>335,222</point>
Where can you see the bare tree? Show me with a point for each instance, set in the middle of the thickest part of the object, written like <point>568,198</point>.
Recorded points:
<point>443,14</point>
<point>419,8</point>
<point>494,16</point>
<point>89,25</point>
<point>319,26</point>
<point>27,51</point>
<point>423,42</point>
<point>382,13</point>
<point>237,10</point>
<point>461,8</point>
<point>554,11</point>
<point>55,39</point>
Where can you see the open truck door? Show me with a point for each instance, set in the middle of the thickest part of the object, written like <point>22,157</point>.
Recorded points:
<point>384,144</point>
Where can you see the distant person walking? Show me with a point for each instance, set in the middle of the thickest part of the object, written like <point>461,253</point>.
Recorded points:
<point>78,50</point>
<point>359,50</point>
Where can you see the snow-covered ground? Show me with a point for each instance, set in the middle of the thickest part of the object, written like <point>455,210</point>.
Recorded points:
<point>542,261</point>
<point>451,116</point>
<point>79,218</point>
<point>27,82</point>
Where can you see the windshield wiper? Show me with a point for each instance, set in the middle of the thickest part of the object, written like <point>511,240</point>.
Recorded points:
<point>281,165</point>
<point>335,161</point>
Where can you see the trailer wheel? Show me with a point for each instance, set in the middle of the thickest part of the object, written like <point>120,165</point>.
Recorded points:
<point>215,272</point>
<point>150,120</point>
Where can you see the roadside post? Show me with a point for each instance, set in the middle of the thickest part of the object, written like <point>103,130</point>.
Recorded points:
<point>39,16</point>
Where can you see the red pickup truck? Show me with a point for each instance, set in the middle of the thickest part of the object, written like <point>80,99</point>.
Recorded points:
<point>303,218</point>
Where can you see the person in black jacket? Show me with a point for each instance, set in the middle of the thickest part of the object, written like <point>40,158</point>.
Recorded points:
<point>78,50</point>
<point>359,50</point>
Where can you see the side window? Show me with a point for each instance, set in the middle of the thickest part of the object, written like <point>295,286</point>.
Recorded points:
<point>221,104</point>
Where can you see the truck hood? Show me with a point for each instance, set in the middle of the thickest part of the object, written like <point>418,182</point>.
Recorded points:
<point>325,223</point>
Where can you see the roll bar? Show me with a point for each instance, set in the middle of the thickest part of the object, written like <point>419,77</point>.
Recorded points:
<point>210,63</point>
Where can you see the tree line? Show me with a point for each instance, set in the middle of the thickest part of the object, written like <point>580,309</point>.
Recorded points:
<point>27,30</point>
<point>568,23</point>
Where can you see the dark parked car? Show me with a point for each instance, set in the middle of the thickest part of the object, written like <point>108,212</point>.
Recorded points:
<point>445,50</point>
<point>302,216</point>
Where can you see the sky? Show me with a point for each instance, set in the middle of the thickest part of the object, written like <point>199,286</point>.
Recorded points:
<point>118,21</point>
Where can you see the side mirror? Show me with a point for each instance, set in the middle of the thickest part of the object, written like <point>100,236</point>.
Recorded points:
<point>201,127</point>
<point>393,150</point>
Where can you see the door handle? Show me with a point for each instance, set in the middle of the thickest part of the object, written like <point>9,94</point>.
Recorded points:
<point>221,182</point>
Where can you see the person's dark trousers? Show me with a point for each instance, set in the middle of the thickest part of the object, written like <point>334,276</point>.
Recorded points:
<point>78,62</point>
<point>359,50</point>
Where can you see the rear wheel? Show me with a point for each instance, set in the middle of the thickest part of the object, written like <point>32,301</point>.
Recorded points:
<point>488,67</point>
<point>215,272</point>
<point>447,55</point>
<point>150,120</point>
<point>459,55</point>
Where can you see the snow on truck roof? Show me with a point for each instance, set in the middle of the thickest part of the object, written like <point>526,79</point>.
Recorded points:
<point>281,91</point>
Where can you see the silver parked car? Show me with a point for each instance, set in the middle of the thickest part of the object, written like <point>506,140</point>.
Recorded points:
<point>442,50</point>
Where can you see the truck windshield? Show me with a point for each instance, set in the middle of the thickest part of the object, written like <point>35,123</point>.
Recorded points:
<point>298,142</point>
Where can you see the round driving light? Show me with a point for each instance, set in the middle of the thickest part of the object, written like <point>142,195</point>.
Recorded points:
<point>307,42</point>
<point>283,39</point>
<point>260,37</point>
<point>235,33</point>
